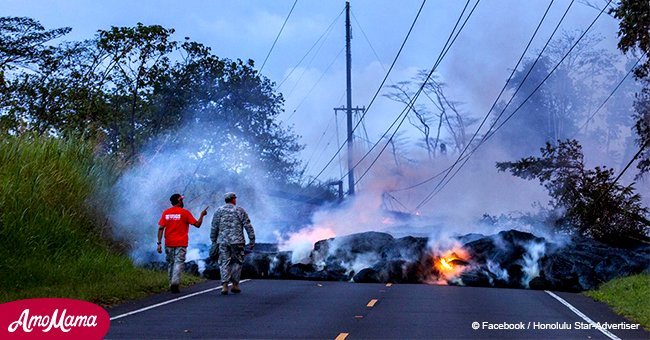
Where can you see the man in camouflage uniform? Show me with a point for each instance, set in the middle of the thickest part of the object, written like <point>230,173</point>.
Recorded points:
<point>227,231</point>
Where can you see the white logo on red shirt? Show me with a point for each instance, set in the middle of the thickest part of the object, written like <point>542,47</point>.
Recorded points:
<point>175,217</point>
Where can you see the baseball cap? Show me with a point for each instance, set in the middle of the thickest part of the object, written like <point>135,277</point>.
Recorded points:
<point>175,198</point>
<point>229,195</point>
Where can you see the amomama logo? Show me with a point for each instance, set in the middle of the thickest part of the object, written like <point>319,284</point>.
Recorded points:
<point>53,318</point>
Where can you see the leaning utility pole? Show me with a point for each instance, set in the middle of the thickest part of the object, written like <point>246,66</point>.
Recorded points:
<point>348,59</point>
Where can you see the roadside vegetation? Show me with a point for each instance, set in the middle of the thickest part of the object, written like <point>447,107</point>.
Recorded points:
<point>628,296</point>
<point>77,115</point>
<point>53,242</point>
<point>585,202</point>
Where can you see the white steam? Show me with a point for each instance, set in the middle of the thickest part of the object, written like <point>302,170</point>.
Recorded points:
<point>142,193</point>
<point>534,253</point>
<point>496,269</point>
<point>302,242</point>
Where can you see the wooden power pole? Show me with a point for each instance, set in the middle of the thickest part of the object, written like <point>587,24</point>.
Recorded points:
<point>349,109</point>
<point>348,61</point>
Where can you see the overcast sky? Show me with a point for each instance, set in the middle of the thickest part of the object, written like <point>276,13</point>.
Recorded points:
<point>475,69</point>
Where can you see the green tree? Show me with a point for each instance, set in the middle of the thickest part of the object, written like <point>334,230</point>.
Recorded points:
<point>23,50</point>
<point>567,98</point>
<point>130,87</point>
<point>139,56</point>
<point>236,109</point>
<point>642,126</point>
<point>634,31</point>
<point>589,201</point>
<point>537,121</point>
<point>634,36</point>
<point>23,42</point>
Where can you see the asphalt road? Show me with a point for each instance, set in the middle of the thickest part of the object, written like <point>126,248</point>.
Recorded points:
<point>269,309</point>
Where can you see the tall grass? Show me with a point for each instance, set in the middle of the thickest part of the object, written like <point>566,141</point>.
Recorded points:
<point>52,240</point>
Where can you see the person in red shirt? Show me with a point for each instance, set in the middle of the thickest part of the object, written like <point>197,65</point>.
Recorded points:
<point>175,224</point>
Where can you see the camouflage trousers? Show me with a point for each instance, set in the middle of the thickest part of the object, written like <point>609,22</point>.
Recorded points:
<point>231,258</point>
<point>175,263</point>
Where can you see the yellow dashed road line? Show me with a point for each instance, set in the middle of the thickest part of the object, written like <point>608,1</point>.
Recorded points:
<point>342,336</point>
<point>370,304</point>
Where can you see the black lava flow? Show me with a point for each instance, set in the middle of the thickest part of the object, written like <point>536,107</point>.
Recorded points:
<point>510,259</point>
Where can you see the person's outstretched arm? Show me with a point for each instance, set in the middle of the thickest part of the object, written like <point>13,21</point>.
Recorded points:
<point>200,220</point>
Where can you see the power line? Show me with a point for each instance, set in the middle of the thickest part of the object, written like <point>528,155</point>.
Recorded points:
<point>304,190</point>
<point>396,200</point>
<point>496,100</point>
<point>315,84</point>
<point>612,93</point>
<point>643,147</point>
<point>329,141</point>
<point>545,78</point>
<point>365,131</point>
<point>320,139</point>
<point>370,44</point>
<point>367,139</point>
<point>326,32</point>
<point>338,141</point>
<point>465,158</point>
<point>378,89</point>
<point>490,133</point>
<point>306,68</point>
<point>278,36</point>
<point>404,112</point>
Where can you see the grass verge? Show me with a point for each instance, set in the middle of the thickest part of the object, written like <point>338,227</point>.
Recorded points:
<point>628,296</point>
<point>55,240</point>
<point>102,278</point>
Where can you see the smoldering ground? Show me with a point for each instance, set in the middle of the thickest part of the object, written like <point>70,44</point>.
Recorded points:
<point>400,195</point>
<point>342,243</point>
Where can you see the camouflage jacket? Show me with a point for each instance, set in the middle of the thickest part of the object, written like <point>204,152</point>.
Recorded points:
<point>228,224</point>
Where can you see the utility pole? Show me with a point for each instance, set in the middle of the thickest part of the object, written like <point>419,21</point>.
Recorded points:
<point>348,60</point>
<point>349,109</point>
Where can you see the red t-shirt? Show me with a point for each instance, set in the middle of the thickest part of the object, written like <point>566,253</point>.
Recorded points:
<point>176,221</point>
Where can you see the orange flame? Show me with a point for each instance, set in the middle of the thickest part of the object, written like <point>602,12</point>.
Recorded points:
<point>446,264</point>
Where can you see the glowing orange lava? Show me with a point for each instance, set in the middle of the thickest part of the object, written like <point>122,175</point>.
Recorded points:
<point>446,264</point>
<point>450,264</point>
